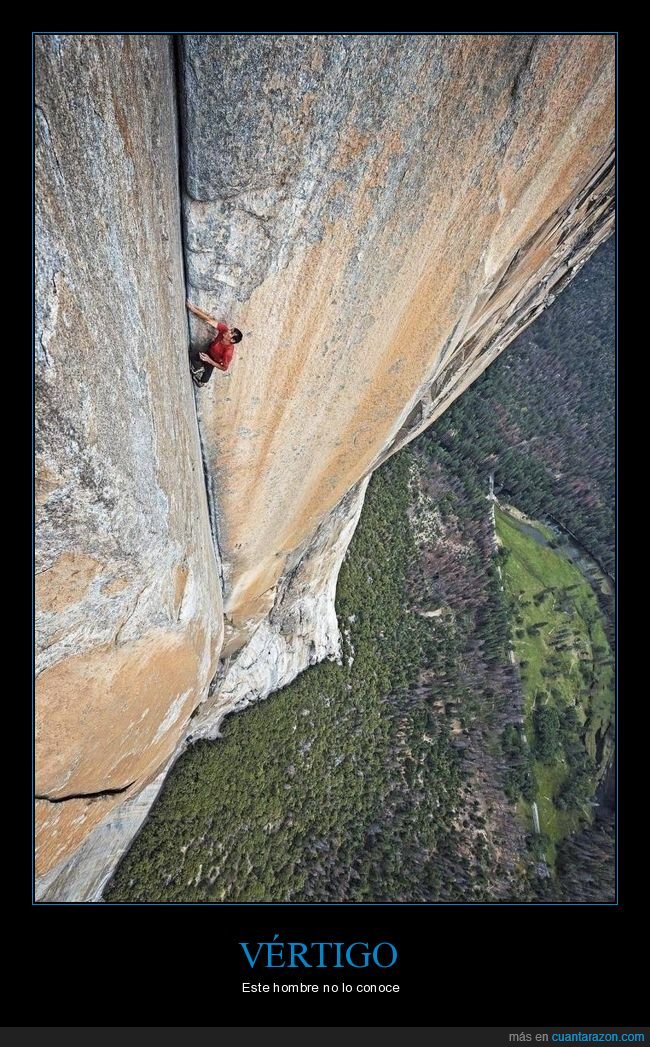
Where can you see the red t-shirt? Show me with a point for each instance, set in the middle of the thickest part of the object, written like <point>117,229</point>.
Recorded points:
<point>217,351</point>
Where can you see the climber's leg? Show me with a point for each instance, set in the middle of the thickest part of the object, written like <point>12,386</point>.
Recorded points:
<point>201,373</point>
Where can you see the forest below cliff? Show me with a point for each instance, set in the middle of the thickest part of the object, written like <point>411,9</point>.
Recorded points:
<point>406,772</point>
<point>542,417</point>
<point>348,785</point>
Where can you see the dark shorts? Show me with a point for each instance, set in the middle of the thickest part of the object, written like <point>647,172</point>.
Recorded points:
<point>201,373</point>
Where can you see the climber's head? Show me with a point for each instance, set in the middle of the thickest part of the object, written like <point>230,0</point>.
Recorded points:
<point>236,334</point>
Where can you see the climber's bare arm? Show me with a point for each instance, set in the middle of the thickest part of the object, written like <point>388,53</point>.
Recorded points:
<point>203,316</point>
<point>213,363</point>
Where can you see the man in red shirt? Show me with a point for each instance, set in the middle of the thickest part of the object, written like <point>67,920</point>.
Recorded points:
<point>218,354</point>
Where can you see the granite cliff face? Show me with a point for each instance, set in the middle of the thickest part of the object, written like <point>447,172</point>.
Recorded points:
<point>383,215</point>
<point>380,216</point>
<point>128,601</point>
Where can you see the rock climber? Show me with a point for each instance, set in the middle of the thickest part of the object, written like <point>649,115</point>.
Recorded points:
<point>219,352</point>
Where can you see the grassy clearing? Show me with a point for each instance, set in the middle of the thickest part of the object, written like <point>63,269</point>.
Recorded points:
<point>567,676</point>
